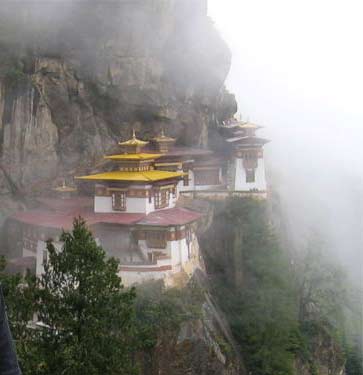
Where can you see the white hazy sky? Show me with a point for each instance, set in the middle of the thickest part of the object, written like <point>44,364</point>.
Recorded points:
<point>305,49</point>
<point>297,69</point>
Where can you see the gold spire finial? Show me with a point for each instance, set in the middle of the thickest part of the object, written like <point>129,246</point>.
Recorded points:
<point>133,145</point>
<point>64,188</point>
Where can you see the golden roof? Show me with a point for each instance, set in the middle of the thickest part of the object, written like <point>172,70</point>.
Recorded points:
<point>133,141</point>
<point>134,157</point>
<point>163,138</point>
<point>145,176</point>
<point>176,164</point>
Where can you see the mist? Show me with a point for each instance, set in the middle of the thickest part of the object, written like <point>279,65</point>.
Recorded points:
<point>296,70</point>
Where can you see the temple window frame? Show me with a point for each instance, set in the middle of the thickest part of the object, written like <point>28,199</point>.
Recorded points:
<point>156,239</point>
<point>161,198</point>
<point>119,205</point>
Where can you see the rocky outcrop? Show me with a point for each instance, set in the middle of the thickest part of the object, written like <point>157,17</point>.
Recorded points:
<point>70,90</point>
<point>198,346</point>
<point>326,358</point>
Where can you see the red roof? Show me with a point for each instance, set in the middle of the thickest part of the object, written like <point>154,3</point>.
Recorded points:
<point>170,217</point>
<point>44,219</point>
<point>63,218</point>
<point>116,218</point>
<point>69,205</point>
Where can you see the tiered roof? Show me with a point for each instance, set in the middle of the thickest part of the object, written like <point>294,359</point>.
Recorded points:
<point>134,165</point>
<point>133,141</point>
<point>133,157</point>
<point>145,176</point>
<point>243,134</point>
<point>163,143</point>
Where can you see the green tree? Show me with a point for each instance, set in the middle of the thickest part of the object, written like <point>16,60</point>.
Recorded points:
<point>354,365</point>
<point>322,286</point>
<point>87,318</point>
<point>19,293</point>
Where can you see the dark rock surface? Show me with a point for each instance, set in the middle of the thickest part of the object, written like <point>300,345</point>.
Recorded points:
<point>74,81</point>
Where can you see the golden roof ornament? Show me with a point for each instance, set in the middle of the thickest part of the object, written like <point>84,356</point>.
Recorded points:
<point>163,138</point>
<point>133,141</point>
<point>133,145</point>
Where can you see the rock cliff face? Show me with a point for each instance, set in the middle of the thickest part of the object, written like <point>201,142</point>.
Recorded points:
<point>201,346</point>
<point>327,358</point>
<point>76,79</point>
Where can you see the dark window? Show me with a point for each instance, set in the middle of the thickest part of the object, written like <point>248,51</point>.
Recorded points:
<point>186,179</point>
<point>207,177</point>
<point>250,175</point>
<point>162,199</point>
<point>156,240</point>
<point>119,201</point>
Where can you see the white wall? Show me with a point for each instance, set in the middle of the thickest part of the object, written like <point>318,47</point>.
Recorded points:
<point>240,183</point>
<point>103,204</point>
<point>133,205</point>
<point>177,251</point>
<point>139,205</point>
<point>41,248</point>
<point>131,278</point>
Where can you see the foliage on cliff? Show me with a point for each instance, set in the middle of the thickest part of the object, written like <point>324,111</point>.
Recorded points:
<point>90,324</point>
<point>87,318</point>
<point>281,311</point>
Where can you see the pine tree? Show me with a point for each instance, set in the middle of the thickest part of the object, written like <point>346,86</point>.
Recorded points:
<point>86,316</point>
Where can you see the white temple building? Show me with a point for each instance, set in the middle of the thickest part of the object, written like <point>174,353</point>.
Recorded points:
<point>134,211</point>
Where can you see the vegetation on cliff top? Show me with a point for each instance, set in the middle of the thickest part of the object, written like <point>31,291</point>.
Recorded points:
<point>281,312</point>
<point>90,324</point>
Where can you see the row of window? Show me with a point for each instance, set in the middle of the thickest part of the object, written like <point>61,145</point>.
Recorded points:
<point>119,200</point>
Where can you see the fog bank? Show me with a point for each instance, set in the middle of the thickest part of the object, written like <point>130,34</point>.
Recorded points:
<point>297,70</point>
